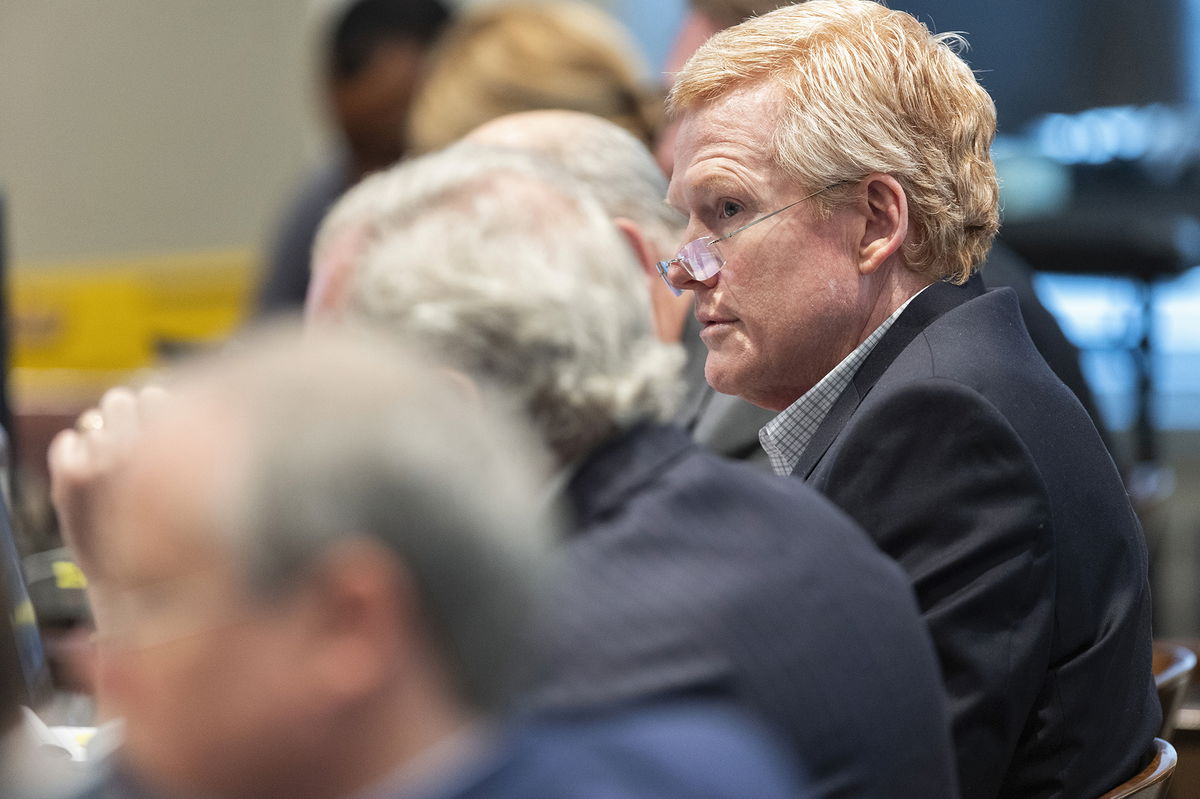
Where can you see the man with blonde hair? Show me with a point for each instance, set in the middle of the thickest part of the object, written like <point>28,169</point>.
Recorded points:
<point>833,158</point>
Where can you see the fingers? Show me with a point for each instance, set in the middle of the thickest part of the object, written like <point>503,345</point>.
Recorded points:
<point>83,461</point>
<point>104,434</point>
<point>151,402</point>
<point>67,454</point>
<point>119,407</point>
<point>119,418</point>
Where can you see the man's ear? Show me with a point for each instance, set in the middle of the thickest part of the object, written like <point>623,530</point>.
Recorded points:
<point>366,619</point>
<point>640,245</point>
<point>884,206</point>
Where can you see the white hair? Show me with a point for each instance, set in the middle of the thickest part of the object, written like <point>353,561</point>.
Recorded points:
<point>510,270</point>
<point>609,160</point>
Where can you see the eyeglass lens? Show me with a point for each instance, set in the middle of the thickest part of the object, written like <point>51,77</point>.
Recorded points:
<point>701,258</point>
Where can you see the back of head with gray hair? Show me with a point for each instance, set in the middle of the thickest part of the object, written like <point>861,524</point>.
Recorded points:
<point>349,438</point>
<point>510,270</point>
<point>613,163</point>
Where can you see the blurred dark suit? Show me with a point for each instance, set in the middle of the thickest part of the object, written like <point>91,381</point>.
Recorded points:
<point>669,750</point>
<point>691,574</point>
<point>972,465</point>
<point>286,273</point>
<point>675,750</point>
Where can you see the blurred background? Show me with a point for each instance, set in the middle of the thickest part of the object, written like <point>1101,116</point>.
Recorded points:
<point>150,151</point>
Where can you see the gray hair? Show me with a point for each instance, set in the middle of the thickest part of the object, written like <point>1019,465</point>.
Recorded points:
<point>609,160</point>
<point>510,270</point>
<point>350,438</point>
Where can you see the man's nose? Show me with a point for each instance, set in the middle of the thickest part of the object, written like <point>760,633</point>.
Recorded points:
<point>681,279</point>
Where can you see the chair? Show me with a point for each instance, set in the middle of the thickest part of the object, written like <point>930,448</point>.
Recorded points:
<point>1172,667</point>
<point>1151,782</point>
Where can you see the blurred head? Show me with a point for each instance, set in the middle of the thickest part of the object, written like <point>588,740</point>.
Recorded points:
<point>499,264</point>
<point>375,51</point>
<point>621,174</point>
<point>526,56</point>
<point>321,564</point>
<point>881,121</point>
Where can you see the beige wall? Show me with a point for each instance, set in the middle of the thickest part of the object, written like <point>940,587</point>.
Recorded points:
<point>134,127</point>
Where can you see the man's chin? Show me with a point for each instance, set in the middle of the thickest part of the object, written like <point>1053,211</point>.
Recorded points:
<point>721,375</point>
<point>727,378</point>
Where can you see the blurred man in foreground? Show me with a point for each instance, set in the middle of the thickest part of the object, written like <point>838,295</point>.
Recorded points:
<point>834,160</point>
<point>312,570</point>
<point>686,574</point>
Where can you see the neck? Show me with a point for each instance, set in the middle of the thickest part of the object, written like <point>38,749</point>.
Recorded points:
<point>389,737</point>
<point>897,286</point>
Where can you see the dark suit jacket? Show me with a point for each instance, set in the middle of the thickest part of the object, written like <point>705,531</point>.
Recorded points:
<point>665,750</point>
<point>972,465</point>
<point>721,423</point>
<point>691,574</point>
<point>672,750</point>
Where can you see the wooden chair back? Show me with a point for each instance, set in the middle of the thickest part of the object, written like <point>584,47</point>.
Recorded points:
<point>1173,665</point>
<point>1151,782</point>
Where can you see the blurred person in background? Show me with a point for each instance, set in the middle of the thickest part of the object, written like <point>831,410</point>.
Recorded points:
<point>686,574</point>
<point>834,159</point>
<point>313,569</point>
<point>525,56</point>
<point>372,56</point>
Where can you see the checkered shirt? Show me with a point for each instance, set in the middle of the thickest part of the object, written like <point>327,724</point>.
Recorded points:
<point>787,435</point>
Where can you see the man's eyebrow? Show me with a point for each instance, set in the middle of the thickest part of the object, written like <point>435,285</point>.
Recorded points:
<point>714,183</point>
<point>706,184</point>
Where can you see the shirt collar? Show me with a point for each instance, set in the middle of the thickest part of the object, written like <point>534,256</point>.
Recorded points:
<point>785,437</point>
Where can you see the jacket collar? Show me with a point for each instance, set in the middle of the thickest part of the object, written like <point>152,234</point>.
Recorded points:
<point>620,468</point>
<point>920,313</point>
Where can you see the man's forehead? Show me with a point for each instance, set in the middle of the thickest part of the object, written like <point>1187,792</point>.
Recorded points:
<point>721,143</point>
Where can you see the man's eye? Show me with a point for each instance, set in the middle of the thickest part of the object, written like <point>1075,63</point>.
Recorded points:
<point>730,209</point>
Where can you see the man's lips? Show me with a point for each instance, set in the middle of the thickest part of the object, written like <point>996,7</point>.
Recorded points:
<point>708,319</point>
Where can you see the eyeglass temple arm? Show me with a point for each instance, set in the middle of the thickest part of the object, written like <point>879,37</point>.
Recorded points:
<point>753,222</point>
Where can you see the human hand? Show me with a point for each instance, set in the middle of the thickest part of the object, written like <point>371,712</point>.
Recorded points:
<point>84,460</point>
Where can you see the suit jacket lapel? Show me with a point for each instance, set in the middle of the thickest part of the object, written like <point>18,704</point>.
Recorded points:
<point>920,313</point>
